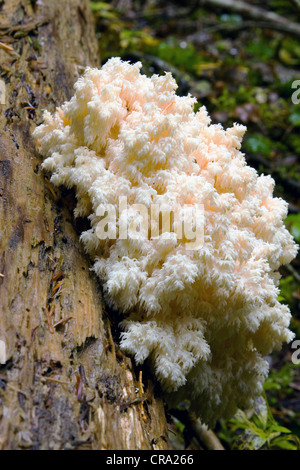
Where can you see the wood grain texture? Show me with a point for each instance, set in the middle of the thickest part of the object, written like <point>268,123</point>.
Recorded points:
<point>65,383</point>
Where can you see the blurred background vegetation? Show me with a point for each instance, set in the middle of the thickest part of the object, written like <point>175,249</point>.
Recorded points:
<point>241,63</point>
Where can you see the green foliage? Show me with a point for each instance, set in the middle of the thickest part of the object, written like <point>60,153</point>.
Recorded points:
<point>287,287</point>
<point>294,142</point>
<point>182,56</point>
<point>295,117</point>
<point>280,380</point>
<point>262,49</point>
<point>282,397</point>
<point>289,52</point>
<point>257,143</point>
<point>103,9</point>
<point>119,35</point>
<point>256,430</point>
<point>136,39</point>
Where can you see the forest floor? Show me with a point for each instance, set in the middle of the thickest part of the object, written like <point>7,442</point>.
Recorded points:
<point>243,69</point>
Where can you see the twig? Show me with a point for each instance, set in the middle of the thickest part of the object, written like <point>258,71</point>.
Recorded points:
<point>49,314</point>
<point>51,189</point>
<point>243,25</point>
<point>33,334</point>
<point>296,3</point>
<point>10,50</point>
<point>274,20</point>
<point>49,379</point>
<point>204,435</point>
<point>135,401</point>
<point>16,389</point>
<point>6,47</point>
<point>57,276</point>
<point>56,287</point>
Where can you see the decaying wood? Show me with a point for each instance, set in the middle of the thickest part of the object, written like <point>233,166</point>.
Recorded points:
<point>64,382</point>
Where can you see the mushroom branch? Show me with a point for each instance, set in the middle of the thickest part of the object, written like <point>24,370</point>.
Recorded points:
<point>204,315</point>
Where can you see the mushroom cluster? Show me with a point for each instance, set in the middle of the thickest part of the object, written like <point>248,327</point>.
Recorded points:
<point>206,317</point>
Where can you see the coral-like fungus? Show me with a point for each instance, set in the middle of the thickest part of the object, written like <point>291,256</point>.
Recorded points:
<point>205,317</point>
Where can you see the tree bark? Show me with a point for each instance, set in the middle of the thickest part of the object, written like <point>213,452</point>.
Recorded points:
<point>64,383</point>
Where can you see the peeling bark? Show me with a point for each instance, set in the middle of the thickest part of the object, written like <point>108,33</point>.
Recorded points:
<point>65,383</point>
